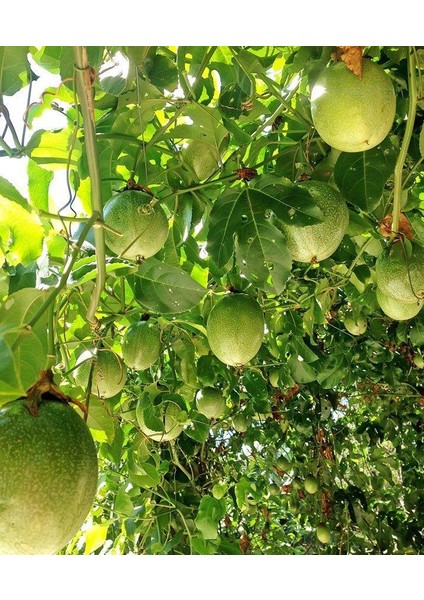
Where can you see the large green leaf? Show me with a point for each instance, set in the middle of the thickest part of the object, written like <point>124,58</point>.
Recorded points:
<point>14,69</point>
<point>206,126</point>
<point>243,220</point>
<point>8,190</point>
<point>21,233</point>
<point>164,288</point>
<point>211,511</point>
<point>38,185</point>
<point>361,176</point>
<point>54,150</point>
<point>23,351</point>
<point>115,75</point>
<point>262,255</point>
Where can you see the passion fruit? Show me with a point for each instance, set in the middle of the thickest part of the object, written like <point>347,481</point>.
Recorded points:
<point>235,329</point>
<point>400,272</point>
<point>311,484</point>
<point>48,476</point>
<point>201,158</point>
<point>141,225</point>
<point>141,345</point>
<point>109,372</point>
<point>211,402</point>
<point>313,243</point>
<point>350,113</point>
<point>397,310</point>
<point>323,534</point>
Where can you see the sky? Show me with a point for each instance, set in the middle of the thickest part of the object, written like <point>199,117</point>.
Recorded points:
<point>15,170</point>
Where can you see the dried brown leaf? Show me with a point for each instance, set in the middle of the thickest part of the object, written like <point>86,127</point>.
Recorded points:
<point>351,56</point>
<point>404,229</point>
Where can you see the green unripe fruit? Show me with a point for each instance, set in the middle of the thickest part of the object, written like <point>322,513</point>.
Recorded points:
<point>240,423</point>
<point>274,489</point>
<point>141,345</point>
<point>397,310</point>
<point>311,485</point>
<point>211,403</point>
<point>353,114</point>
<point>313,243</point>
<point>235,329</point>
<point>109,372</point>
<point>144,227</point>
<point>250,509</point>
<point>170,413</point>
<point>400,273</point>
<point>48,477</point>
<point>283,463</point>
<point>419,361</point>
<point>323,534</point>
<point>201,158</point>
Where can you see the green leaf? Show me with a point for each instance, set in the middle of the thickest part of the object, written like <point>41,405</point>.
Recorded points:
<point>100,420</point>
<point>24,351</point>
<point>7,190</point>
<point>416,334</point>
<point>261,251</point>
<point>210,512</point>
<point>422,142</point>
<point>123,504</point>
<point>14,69</point>
<point>38,186</point>
<point>301,371</point>
<point>24,242</point>
<point>263,256</point>
<point>147,475</point>
<point>11,386</point>
<point>361,176</point>
<point>163,73</point>
<point>55,149</point>
<point>207,126</point>
<point>165,289</point>
<point>198,429</point>
<point>331,372</point>
<point>115,74</point>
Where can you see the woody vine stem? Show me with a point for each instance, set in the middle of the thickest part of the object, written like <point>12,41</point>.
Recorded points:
<point>84,84</point>
<point>412,85</point>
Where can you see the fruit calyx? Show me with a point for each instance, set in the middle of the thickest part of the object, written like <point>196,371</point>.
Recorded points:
<point>45,389</point>
<point>132,185</point>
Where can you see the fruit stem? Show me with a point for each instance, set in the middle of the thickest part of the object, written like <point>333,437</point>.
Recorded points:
<point>412,109</point>
<point>84,81</point>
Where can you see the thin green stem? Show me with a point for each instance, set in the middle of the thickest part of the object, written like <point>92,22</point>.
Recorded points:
<point>7,148</point>
<point>51,356</point>
<point>4,110</point>
<point>66,272</point>
<point>85,90</point>
<point>205,61</point>
<point>412,109</point>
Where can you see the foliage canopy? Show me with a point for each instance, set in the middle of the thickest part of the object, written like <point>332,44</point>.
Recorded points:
<point>218,140</point>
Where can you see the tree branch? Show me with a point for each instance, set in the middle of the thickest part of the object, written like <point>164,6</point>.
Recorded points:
<point>85,89</point>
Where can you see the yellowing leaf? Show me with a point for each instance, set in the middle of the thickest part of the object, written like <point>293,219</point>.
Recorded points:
<point>53,150</point>
<point>24,241</point>
<point>95,537</point>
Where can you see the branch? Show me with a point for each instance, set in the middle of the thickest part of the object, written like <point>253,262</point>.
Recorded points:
<point>412,109</point>
<point>85,87</point>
